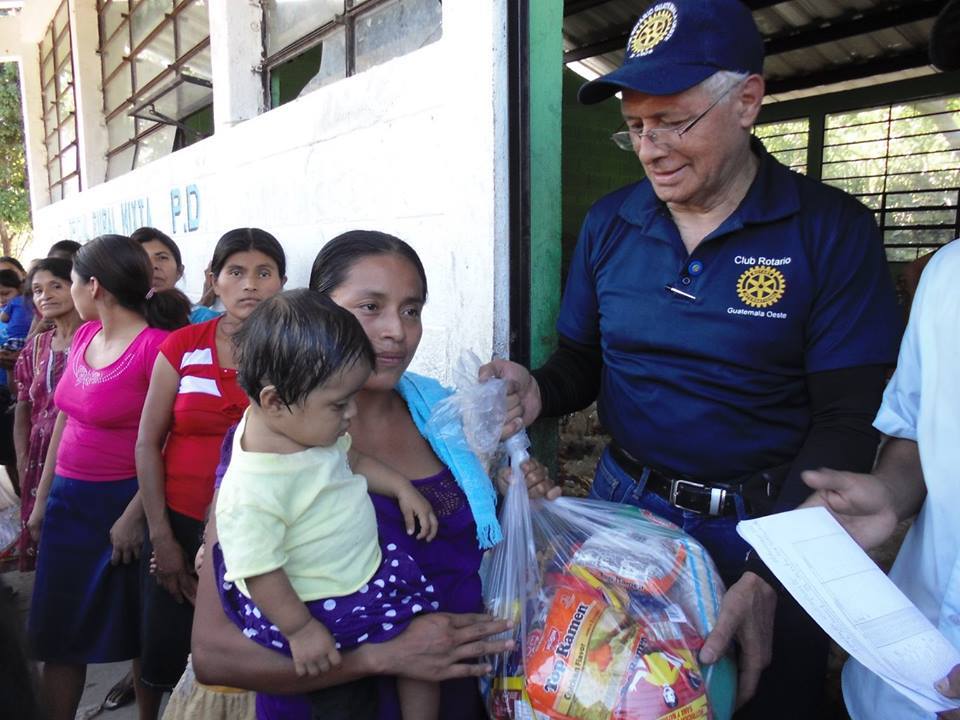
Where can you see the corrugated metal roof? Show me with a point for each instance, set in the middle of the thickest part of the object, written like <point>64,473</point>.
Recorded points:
<point>813,46</point>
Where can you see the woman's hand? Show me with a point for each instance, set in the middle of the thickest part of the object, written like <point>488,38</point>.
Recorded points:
<point>169,565</point>
<point>35,521</point>
<point>127,537</point>
<point>416,508</point>
<point>442,646</point>
<point>539,484</point>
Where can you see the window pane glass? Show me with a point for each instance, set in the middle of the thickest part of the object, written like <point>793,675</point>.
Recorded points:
<point>120,163</point>
<point>46,45</point>
<point>50,101</point>
<point>147,15</point>
<point>193,25</point>
<point>908,200</point>
<point>117,91</point>
<point>56,194</point>
<point>906,218</point>
<point>119,130</point>
<point>61,50</point>
<point>876,115</point>
<point>68,160</point>
<point>199,65</point>
<point>154,58</point>
<point>922,107</point>
<point>112,15</point>
<point>395,29</point>
<point>60,19</point>
<point>65,105</point>
<point>65,78</point>
<point>183,99</point>
<point>156,145</point>
<point>53,147</point>
<point>71,186</point>
<point>54,168</point>
<point>289,20</point>
<point>913,236</point>
<point>314,68</point>
<point>50,121</point>
<point>47,70</point>
<point>68,131</point>
<point>114,52</point>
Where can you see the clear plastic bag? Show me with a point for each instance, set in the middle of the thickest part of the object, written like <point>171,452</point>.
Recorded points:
<point>610,605</point>
<point>472,417</point>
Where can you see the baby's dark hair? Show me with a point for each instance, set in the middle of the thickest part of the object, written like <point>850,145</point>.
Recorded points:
<point>10,279</point>
<point>296,341</point>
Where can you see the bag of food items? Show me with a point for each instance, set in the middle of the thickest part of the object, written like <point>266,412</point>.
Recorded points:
<point>610,607</point>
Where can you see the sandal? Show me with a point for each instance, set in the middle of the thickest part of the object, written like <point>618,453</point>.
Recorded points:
<point>120,694</point>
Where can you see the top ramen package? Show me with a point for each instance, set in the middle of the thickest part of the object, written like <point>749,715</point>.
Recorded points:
<point>611,605</point>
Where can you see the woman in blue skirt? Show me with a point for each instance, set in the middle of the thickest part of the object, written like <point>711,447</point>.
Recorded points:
<point>88,515</point>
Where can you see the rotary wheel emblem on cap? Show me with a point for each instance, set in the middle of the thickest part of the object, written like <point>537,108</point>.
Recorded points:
<point>761,286</point>
<point>655,26</point>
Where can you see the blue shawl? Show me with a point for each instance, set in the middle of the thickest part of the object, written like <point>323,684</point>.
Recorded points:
<point>421,394</point>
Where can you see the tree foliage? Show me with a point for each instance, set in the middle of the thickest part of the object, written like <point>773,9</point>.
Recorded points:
<point>14,196</point>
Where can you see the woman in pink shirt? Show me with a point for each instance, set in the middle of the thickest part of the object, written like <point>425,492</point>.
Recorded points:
<point>88,516</point>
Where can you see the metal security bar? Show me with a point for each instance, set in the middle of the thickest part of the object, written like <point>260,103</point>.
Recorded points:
<point>155,60</point>
<point>59,106</point>
<point>902,161</point>
<point>787,141</point>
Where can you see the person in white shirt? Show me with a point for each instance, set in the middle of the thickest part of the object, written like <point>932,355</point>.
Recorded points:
<point>918,470</point>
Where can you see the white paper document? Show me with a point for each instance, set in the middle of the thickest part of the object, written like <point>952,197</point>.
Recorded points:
<point>854,601</point>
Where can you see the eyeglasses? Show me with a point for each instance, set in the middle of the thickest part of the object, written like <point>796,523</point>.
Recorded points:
<point>664,138</point>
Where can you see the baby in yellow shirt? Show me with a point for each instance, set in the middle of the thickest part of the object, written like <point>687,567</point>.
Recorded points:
<point>299,565</point>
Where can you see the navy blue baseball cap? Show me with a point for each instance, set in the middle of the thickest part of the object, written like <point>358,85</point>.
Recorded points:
<point>678,44</point>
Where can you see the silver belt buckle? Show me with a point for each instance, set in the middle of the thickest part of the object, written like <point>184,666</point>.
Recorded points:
<point>717,496</point>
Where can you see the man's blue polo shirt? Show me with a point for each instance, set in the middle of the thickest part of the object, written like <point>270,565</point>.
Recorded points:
<point>711,383</point>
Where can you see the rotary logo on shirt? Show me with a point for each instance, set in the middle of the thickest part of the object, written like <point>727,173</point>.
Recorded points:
<point>761,286</point>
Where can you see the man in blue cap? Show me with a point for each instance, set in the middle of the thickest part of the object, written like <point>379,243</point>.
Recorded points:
<point>734,320</point>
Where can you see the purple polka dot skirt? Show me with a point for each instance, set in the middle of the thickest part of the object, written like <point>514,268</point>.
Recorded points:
<point>379,611</point>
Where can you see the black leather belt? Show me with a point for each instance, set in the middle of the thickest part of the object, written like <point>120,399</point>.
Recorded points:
<point>682,493</point>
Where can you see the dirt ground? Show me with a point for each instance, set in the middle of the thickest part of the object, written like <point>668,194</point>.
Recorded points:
<point>582,439</point>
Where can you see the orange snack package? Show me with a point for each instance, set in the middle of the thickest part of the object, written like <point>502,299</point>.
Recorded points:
<point>590,661</point>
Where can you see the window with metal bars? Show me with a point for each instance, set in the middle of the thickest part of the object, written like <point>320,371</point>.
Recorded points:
<point>157,79</point>
<point>787,142</point>
<point>313,43</point>
<point>901,160</point>
<point>59,106</point>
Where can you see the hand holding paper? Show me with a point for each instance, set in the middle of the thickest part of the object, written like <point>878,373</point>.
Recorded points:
<point>855,602</point>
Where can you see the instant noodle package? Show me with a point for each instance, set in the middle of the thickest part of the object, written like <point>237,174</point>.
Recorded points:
<point>611,606</point>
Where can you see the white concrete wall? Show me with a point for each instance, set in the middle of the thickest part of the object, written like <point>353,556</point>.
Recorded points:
<point>416,147</point>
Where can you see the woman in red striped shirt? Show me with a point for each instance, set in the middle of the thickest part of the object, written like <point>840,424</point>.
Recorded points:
<point>193,399</point>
